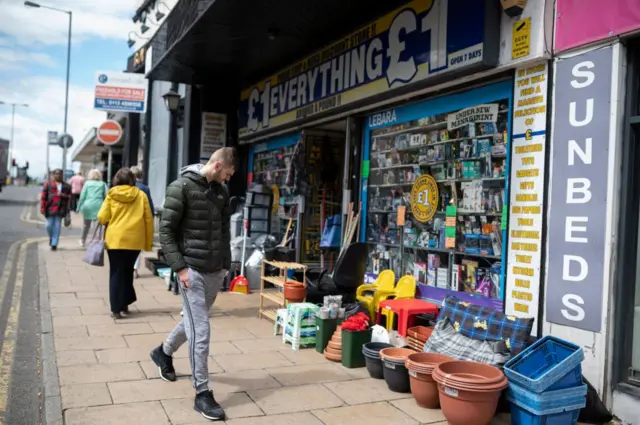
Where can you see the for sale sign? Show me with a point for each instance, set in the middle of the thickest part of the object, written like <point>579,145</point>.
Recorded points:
<point>120,92</point>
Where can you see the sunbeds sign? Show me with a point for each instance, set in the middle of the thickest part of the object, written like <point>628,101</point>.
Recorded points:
<point>424,38</point>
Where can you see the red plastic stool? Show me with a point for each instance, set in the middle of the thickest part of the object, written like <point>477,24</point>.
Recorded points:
<point>407,310</point>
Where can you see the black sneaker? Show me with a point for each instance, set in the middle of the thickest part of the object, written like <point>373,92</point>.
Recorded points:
<point>54,248</point>
<point>164,363</point>
<point>208,407</point>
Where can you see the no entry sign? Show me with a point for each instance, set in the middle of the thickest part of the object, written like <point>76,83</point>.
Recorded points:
<point>109,132</point>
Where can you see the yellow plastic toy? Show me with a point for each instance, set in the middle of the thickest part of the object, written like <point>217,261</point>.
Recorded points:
<point>366,294</point>
<point>404,290</point>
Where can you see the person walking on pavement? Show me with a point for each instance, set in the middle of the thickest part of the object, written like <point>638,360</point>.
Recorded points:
<point>76,182</point>
<point>137,173</point>
<point>54,205</point>
<point>195,239</point>
<point>93,193</point>
<point>127,215</point>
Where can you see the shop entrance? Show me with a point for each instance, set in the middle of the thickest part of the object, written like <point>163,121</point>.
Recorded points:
<point>325,149</point>
<point>305,172</point>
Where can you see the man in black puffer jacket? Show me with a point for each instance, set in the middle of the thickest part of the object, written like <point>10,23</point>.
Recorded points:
<point>194,234</point>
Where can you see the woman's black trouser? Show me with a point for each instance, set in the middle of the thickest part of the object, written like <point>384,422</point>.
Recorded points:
<point>121,292</point>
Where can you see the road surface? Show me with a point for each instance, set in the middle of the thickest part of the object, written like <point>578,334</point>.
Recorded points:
<point>20,380</point>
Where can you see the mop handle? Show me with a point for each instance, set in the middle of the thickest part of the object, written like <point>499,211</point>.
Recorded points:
<point>244,245</point>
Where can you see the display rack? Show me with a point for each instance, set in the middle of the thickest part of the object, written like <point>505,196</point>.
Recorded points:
<point>276,294</point>
<point>469,161</point>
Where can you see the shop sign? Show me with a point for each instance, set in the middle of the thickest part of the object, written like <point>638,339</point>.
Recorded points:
<point>526,198</point>
<point>578,190</point>
<point>424,198</point>
<point>120,92</point>
<point>475,114</point>
<point>421,40</point>
<point>579,22</point>
<point>213,135</point>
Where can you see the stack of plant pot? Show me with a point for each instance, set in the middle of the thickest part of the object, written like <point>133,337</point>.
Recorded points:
<point>294,292</point>
<point>469,391</point>
<point>371,351</point>
<point>417,336</point>
<point>423,387</point>
<point>333,351</point>
<point>394,371</point>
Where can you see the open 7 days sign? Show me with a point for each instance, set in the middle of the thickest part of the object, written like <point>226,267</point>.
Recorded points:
<point>423,39</point>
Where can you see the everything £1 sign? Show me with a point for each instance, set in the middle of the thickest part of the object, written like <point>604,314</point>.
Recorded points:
<point>423,39</point>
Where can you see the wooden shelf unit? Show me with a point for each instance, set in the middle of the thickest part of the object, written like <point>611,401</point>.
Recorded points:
<point>276,295</point>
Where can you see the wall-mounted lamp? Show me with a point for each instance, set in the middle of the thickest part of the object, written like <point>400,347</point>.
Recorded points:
<point>171,100</point>
<point>131,41</point>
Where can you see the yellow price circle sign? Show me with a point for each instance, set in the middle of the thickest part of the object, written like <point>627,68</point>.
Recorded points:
<point>424,198</point>
<point>276,199</point>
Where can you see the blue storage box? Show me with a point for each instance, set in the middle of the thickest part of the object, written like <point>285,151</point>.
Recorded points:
<point>522,416</point>
<point>549,364</point>
<point>548,400</point>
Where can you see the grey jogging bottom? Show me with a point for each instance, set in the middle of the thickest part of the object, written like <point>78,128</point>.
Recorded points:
<point>194,327</point>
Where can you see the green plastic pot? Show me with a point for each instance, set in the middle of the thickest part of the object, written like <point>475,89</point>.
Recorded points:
<point>324,331</point>
<point>352,342</point>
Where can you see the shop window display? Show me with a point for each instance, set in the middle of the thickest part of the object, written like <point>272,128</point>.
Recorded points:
<point>466,151</point>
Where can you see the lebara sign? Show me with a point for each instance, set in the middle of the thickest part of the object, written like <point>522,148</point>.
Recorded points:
<point>423,39</point>
<point>578,190</point>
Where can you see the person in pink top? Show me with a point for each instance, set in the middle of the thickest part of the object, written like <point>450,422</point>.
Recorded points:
<point>76,182</point>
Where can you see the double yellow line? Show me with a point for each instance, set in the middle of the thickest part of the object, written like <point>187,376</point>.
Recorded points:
<point>11,331</point>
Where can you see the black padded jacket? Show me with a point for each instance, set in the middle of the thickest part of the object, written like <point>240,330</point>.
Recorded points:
<point>194,229</point>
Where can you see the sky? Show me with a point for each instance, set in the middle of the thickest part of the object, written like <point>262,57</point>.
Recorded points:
<point>33,54</point>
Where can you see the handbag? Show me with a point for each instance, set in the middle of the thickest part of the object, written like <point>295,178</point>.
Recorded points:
<point>95,251</point>
<point>67,220</point>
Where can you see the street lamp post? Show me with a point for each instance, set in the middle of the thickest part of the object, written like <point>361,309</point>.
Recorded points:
<point>66,91</point>
<point>13,124</point>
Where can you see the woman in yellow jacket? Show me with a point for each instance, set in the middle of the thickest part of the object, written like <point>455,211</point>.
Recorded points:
<point>127,215</point>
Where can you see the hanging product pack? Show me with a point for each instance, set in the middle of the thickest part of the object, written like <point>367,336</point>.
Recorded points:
<point>332,232</point>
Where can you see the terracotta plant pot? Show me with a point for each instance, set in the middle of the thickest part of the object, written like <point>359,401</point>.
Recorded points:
<point>469,391</point>
<point>334,351</point>
<point>423,387</point>
<point>424,391</point>
<point>295,293</point>
<point>335,345</point>
<point>332,357</point>
<point>471,372</point>
<point>421,333</point>
<point>463,407</point>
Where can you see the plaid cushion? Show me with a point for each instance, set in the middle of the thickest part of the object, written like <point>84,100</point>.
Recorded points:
<point>445,340</point>
<point>483,323</point>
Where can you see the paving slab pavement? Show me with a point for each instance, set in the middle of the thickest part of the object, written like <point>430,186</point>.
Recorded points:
<point>100,373</point>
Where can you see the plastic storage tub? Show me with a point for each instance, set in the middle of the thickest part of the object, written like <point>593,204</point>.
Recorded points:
<point>549,364</point>
<point>522,415</point>
<point>548,400</point>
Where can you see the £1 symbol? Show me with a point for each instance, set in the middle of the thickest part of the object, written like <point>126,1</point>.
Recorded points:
<point>423,198</point>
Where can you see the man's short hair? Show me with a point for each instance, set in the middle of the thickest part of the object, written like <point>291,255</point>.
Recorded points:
<point>225,155</point>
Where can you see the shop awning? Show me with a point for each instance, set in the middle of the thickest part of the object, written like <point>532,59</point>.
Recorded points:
<point>241,41</point>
